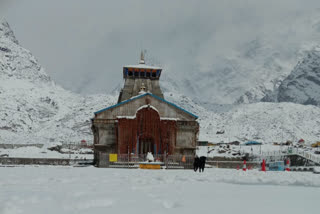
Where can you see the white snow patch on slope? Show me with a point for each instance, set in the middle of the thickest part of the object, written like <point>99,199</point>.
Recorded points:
<point>263,122</point>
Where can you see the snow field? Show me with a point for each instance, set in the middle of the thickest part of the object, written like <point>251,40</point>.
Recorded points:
<point>92,190</point>
<point>34,152</point>
<point>263,150</point>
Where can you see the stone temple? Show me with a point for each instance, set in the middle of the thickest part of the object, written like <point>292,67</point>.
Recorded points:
<point>143,121</point>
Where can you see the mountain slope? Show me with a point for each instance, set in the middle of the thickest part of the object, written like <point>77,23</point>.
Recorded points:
<point>302,85</point>
<point>264,122</point>
<point>33,108</point>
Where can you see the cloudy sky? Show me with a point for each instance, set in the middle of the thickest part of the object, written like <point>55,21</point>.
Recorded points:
<point>84,44</point>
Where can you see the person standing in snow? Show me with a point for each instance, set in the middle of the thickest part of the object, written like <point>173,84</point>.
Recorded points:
<point>196,163</point>
<point>202,163</point>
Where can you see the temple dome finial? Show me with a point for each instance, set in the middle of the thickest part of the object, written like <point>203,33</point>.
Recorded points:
<point>142,58</point>
<point>142,89</point>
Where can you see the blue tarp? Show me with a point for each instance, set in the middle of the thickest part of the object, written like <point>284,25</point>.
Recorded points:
<point>252,143</point>
<point>276,166</point>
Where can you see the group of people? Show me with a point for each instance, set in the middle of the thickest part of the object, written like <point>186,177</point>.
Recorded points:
<point>199,163</point>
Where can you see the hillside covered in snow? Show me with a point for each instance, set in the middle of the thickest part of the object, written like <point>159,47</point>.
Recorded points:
<point>263,122</point>
<point>33,108</point>
<point>36,110</point>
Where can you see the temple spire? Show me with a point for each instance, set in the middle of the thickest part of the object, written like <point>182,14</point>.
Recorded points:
<point>142,58</point>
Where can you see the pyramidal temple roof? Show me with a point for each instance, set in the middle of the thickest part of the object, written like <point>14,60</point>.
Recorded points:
<point>142,95</point>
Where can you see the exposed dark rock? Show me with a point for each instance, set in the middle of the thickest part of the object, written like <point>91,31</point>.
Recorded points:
<point>5,31</point>
<point>302,85</point>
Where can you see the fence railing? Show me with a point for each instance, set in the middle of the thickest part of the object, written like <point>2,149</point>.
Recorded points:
<point>309,156</point>
<point>186,161</point>
<point>281,155</point>
<point>134,161</point>
<point>179,161</point>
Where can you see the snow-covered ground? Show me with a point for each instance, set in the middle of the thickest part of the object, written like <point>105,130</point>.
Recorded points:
<point>35,152</point>
<point>92,190</point>
<point>224,151</point>
<point>257,150</point>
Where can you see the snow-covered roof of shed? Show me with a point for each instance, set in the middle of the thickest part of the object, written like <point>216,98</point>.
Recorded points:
<point>142,95</point>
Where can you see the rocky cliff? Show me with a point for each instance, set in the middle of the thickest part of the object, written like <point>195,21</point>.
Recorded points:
<point>302,85</point>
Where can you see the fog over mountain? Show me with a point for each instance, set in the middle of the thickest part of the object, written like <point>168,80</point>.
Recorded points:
<point>215,51</point>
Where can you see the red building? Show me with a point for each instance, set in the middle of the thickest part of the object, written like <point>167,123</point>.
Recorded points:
<point>143,121</point>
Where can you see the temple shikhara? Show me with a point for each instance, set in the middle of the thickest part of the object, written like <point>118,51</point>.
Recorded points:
<point>143,121</point>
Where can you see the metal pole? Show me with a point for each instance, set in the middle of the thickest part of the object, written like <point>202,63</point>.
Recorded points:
<point>260,149</point>
<point>69,150</point>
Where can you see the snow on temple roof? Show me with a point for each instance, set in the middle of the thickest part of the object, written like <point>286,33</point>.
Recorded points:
<point>126,117</point>
<point>169,118</point>
<point>134,117</point>
<point>147,106</point>
<point>143,66</point>
<point>142,95</point>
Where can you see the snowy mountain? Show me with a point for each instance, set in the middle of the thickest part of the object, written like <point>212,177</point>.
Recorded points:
<point>17,62</point>
<point>264,122</point>
<point>255,66</point>
<point>35,110</point>
<point>302,85</point>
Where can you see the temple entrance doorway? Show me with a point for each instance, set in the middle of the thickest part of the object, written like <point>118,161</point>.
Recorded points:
<point>146,144</point>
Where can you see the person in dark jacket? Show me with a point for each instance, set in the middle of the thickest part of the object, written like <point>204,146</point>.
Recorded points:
<point>202,163</point>
<point>196,163</point>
